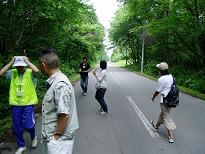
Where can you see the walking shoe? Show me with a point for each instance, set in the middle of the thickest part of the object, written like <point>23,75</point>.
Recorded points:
<point>20,150</point>
<point>101,109</point>
<point>84,94</point>
<point>153,125</point>
<point>170,140</point>
<point>34,142</point>
<point>103,112</point>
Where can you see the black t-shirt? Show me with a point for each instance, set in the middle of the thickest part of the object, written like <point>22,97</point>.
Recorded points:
<point>84,67</point>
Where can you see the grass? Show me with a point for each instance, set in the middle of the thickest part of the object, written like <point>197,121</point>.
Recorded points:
<point>5,124</point>
<point>182,89</point>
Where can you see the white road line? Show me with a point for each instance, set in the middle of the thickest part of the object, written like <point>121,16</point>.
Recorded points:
<point>143,118</point>
<point>116,80</point>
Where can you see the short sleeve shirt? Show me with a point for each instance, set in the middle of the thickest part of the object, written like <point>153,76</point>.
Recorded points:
<point>84,67</point>
<point>62,96</point>
<point>164,84</point>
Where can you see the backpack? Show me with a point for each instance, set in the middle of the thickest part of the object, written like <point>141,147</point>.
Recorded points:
<point>172,98</point>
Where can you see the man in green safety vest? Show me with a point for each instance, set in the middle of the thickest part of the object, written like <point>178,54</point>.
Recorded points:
<point>22,98</point>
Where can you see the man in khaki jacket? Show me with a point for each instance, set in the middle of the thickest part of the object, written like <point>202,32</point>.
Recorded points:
<point>59,114</point>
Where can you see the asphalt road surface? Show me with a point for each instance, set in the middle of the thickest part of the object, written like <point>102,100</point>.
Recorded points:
<point>126,128</point>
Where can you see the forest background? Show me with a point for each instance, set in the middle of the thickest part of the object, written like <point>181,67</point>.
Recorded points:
<point>172,30</point>
<point>167,30</point>
<point>71,27</point>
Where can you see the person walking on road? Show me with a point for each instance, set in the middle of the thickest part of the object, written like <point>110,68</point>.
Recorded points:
<point>164,84</point>
<point>84,68</point>
<point>22,98</point>
<point>59,113</point>
<point>101,86</point>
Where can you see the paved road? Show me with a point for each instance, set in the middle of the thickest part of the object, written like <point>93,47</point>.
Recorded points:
<point>126,129</point>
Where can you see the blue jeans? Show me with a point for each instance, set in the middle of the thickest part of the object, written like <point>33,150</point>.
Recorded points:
<point>84,83</point>
<point>23,118</point>
<point>99,95</point>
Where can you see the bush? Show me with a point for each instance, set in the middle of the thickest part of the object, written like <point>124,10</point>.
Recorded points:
<point>191,79</point>
<point>150,68</point>
<point>4,95</point>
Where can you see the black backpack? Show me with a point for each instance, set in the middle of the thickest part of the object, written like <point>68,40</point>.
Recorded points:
<point>172,98</point>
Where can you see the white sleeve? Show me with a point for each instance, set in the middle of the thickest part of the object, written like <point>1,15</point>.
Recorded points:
<point>160,85</point>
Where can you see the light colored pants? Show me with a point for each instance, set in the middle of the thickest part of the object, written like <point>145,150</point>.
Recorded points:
<point>165,118</point>
<point>58,146</point>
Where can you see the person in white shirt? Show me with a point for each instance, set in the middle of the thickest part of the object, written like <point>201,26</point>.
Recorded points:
<point>163,87</point>
<point>101,86</point>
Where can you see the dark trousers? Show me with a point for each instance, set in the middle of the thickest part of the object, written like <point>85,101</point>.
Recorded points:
<point>99,95</point>
<point>84,83</point>
<point>23,118</point>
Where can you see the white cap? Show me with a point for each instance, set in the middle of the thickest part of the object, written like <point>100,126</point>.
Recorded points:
<point>19,61</point>
<point>162,66</point>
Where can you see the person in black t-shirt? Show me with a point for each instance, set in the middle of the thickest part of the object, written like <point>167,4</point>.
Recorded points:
<point>84,68</point>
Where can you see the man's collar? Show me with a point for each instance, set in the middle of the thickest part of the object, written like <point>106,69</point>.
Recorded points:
<point>52,78</point>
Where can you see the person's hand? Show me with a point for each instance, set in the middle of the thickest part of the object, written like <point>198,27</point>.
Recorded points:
<point>152,99</point>
<point>56,136</point>
<point>25,59</point>
<point>12,60</point>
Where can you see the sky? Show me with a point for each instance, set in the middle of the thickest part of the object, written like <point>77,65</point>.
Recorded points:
<point>105,10</point>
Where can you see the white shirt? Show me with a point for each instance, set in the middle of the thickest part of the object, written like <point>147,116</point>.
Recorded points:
<point>102,78</point>
<point>164,84</point>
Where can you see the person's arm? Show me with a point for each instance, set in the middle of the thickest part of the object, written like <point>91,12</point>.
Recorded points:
<point>63,104</point>
<point>160,85</point>
<point>88,70</point>
<point>80,68</point>
<point>6,68</point>
<point>32,66</point>
<point>94,73</point>
<point>155,95</point>
<point>100,76</point>
<point>62,122</point>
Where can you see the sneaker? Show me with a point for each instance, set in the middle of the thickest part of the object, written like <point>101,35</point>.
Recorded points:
<point>84,94</point>
<point>20,150</point>
<point>153,125</point>
<point>34,142</point>
<point>103,112</point>
<point>101,109</point>
<point>170,140</point>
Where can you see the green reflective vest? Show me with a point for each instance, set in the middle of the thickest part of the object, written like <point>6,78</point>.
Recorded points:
<point>22,90</point>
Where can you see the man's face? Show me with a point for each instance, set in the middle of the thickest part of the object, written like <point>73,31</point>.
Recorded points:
<point>84,60</point>
<point>20,69</point>
<point>42,67</point>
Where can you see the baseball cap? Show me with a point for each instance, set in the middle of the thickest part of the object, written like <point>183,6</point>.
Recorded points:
<point>162,66</point>
<point>19,61</point>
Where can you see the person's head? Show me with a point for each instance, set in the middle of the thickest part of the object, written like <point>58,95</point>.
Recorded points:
<point>48,60</point>
<point>163,68</point>
<point>19,63</point>
<point>103,64</point>
<point>85,59</point>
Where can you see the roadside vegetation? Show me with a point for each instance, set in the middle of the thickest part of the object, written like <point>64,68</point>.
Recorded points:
<point>26,26</point>
<point>170,31</point>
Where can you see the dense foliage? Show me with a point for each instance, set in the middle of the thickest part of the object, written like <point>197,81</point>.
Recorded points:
<point>69,26</point>
<point>173,31</point>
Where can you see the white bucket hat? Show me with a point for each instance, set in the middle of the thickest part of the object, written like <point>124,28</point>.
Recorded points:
<point>19,61</point>
<point>162,66</point>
